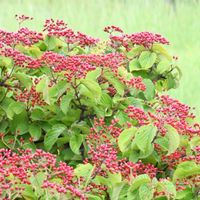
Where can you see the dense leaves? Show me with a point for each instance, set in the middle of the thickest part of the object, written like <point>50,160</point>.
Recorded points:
<point>97,106</point>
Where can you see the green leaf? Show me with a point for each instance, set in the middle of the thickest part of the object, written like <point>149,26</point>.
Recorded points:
<point>37,181</point>
<point>83,170</point>
<point>42,46</point>
<point>163,66</point>
<point>114,178</point>
<point>163,142</point>
<point>144,137</point>
<point>138,181</point>
<point>135,102</point>
<point>37,114</point>
<point>43,87</point>
<point>147,59</point>
<point>134,155</point>
<point>19,123</point>
<point>122,71</point>
<point>195,141</point>
<point>135,51</point>
<point>5,107</point>
<point>52,135</point>
<point>63,140</point>
<point>125,139</point>
<point>93,75</point>
<point>75,143</point>
<point>153,158</point>
<point>57,90</point>
<point>29,193</point>
<point>81,126</point>
<point>24,79</point>
<point>149,93</point>
<point>124,192</point>
<point>2,92</point>
<point>91,89</point>
<point>35,131</point>
<point>100,180</point>
<point>115,192</point>
<point>168,187</point>
<point>132,195</point>
<point>119,86</point>
<point>174,138</point>
<point>185,169</point>
<point>35,51</point>
<point>53,42</point>
<point>106,100</point>
<point>146,192</point>
<point>162,198</point>
<point>158,48</point>
<point>76,51</point>
<point>171,81</point>
<point>134,65</point>
<point>67,154</point>
<point>5,61</point>
<point>122,116</point>
<point>186,194</point>
<point>93,197</point>
<point>115,185</point>
<point>3,126</point>
<point>161,85</point>
<point>15,108</point>
<point>65,102</point>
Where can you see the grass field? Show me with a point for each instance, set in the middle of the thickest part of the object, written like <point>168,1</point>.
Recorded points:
<point>182,27</point>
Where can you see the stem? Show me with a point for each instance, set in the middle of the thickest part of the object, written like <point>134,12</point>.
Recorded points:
<point>11,72</point>
<point>14,141</point>
<point>76,94</point>
<point>2,139</point>
<point>90,177</point>
<point>51,71</point>
<point>68,48</point>
<point>83,108</point>
<point>155,137</point>
<point>4,96</point>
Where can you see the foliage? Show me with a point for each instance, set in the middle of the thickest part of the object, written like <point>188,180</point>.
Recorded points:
<point>98,106</point>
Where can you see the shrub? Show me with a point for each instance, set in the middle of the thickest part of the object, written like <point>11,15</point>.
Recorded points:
<point>97,105</point>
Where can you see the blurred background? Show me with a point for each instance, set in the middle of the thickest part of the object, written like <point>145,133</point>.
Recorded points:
<point>177,20</point>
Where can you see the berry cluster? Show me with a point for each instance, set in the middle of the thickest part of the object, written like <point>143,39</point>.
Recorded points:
<point>30,97</point>
<point>22,36</point>
<point>20,59</point>
<point>137,114</point>
<point>130,170</point>
<point>59,28</point>
<point>102,133</point>
<point>136,82</point>
<point>92,103</point>
<point>103,152</point>
<point>168,111</point>
<point>111,29</point>
<point>20,168</point>
<point>22,18</point>
<point>146,39</point>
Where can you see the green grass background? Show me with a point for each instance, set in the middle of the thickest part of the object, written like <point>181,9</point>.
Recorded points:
<point>182,27</point>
